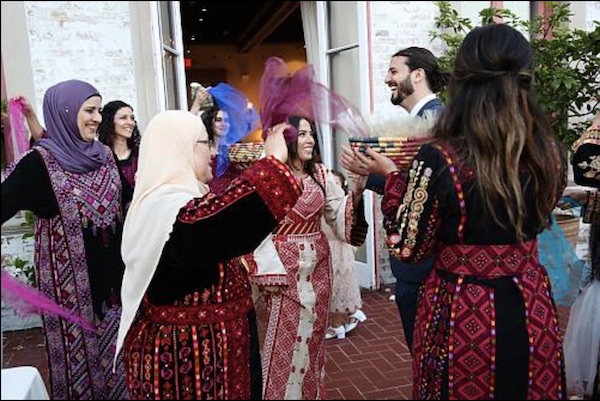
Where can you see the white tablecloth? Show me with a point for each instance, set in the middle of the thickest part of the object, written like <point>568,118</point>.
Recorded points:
<point>23,383</point>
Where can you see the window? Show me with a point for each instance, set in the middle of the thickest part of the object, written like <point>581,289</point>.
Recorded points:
<point>172,89</point>
<point>347,72</point>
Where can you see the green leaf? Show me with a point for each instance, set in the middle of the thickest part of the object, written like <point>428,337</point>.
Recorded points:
<point>566,63</point>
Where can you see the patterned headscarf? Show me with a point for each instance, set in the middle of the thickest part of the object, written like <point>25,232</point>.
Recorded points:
<point>63,139</point>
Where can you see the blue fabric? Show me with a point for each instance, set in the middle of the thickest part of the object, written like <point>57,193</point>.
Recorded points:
<point>408,281</point>
<point>564,268</point>
<point>434,105</point>
<point>407,295</point>
<point>413,273</point>
<point>239,119</point>
<point>376,183</point>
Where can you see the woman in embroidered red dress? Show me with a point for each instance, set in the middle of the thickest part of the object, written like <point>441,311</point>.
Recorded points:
<point>478,196</point>
<point>294,273</point>
<point>194,335</point>
<point>72,184</point>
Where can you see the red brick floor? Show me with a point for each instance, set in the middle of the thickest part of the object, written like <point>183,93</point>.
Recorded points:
<point>371,363</point>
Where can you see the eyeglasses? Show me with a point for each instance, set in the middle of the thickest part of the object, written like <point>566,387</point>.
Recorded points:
<point>207,142</point>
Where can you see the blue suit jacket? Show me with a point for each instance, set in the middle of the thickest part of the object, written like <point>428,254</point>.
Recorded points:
<point>404,271</point>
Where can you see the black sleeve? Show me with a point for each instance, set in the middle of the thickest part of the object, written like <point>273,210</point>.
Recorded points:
<point>585,165</point>
<point>375,183</point>
<point>28,187</point>
<point>236,221</point>
<point>191,257</point>
<point>218,227</point>
<point>126,188</point>
<point>234,231</point>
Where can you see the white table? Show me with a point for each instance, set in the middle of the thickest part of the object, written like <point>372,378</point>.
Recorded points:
<point>23,383</point>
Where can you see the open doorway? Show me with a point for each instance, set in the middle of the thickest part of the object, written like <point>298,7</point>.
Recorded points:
<point>230,41</point>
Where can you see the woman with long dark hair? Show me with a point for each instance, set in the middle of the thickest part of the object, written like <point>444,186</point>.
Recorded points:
<point>119,131</point>
<point>477,197</point>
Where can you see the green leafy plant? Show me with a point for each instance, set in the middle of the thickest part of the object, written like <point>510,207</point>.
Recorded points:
<point>567,61</point>
<point>21,269</point>
<point>29,222</point>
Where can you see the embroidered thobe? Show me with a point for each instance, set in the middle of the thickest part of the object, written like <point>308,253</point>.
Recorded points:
<point>195,334</point>
<point>486,323</point>
<point>79,222</point>
<point>297,257</point>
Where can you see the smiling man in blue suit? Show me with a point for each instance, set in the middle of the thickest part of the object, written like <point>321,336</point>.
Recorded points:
<point>414,77</point>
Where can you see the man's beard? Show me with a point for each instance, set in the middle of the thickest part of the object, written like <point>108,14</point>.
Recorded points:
<point>405,89</point>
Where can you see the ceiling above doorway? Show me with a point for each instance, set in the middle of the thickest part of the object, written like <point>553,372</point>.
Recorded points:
<point>243,24</point>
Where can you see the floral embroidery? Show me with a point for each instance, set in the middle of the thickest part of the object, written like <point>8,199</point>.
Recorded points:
<point>593,167</point>
<point>270,178</point>
<point>409,213</point>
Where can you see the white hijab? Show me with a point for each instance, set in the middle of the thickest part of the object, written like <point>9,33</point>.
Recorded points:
<point>165,182</point>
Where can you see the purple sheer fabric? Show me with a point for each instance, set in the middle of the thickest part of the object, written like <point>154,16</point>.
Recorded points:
<point>28,300</point>
<point>63,139</point>
<point>283,94</point>
<point>16,141</point>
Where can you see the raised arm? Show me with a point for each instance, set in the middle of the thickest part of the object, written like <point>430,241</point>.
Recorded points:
<point>35,128</point>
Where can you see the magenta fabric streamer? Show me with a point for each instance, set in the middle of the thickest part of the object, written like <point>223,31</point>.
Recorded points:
<point>27,300</point>
<point>18,141</point>
<point>283,94</point>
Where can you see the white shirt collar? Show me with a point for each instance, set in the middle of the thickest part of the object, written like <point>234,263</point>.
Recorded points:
<point>415,110</point>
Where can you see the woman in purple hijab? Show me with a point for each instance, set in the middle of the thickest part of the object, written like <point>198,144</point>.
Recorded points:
<point>72,184</point>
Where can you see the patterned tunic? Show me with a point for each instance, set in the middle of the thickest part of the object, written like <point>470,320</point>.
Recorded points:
<point>78,264</point>
<point>297,256</point>
<point>195,336</point>
<point>129,167</point>
<point>486,323</point>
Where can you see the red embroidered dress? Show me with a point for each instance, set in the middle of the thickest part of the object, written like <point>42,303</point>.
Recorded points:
<point>297,255</point>
<point>486,323</point>
<point>195,336</point>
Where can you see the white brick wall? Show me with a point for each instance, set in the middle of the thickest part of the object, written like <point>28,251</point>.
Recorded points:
<point>592,13</point>
<point>14,246</point>
<point>394,26</point>
<point>90,41</point>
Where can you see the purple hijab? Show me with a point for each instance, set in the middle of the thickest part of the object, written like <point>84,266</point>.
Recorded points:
<point>63,140</point>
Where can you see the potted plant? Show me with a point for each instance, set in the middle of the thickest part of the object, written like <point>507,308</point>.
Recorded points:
<point>566,60</point>
<point>566,67</point>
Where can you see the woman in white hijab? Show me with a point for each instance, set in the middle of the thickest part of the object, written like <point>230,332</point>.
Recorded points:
<point>188,325</point>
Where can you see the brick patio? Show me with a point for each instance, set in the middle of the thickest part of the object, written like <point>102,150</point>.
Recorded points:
<point>373,361</point>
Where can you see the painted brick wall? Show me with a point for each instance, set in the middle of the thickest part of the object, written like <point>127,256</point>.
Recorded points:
<point>14,246</point>
<point>90,41</point>
<point>592,13</point>
<point>396,25</point>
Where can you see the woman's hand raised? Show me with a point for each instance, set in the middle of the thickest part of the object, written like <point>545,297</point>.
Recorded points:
<point>275,142</point>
